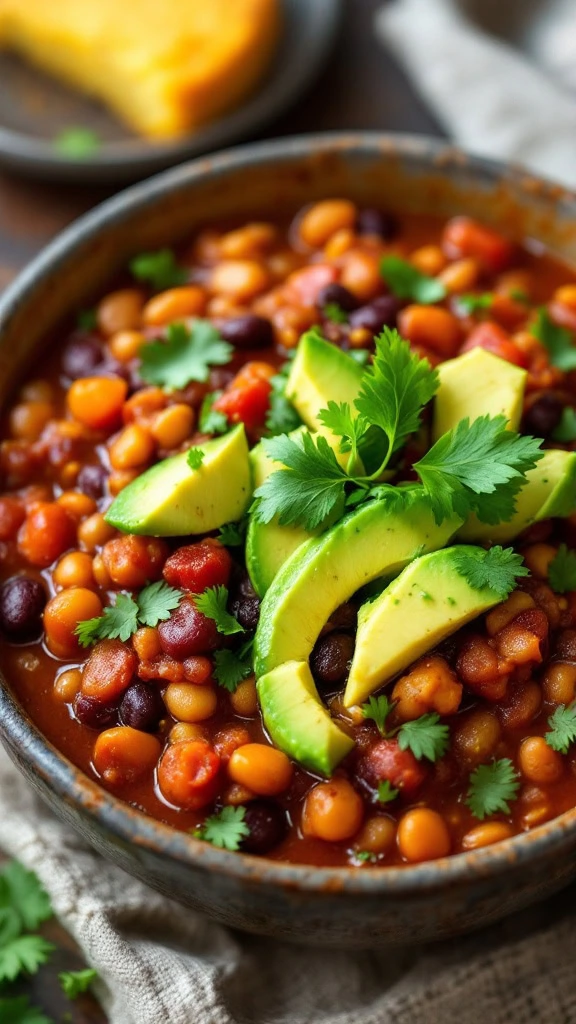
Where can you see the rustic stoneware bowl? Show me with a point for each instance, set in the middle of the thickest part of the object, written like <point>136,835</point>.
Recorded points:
<point>335,906</point>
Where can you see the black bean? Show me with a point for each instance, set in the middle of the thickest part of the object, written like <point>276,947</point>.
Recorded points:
<point>81,357</point>
<point>22,602</point>
<point>142,707</point>
<point>382,312</point>
<point>248,331</point>
<point>93,713</point>
<point>371,221</point>
<point>268,826</point>
<point>544,415</point>
<point>245,588</point>
<point>336,294</point>
<point>92,481</point>
<point>247,611</point>
<point>331,658</point>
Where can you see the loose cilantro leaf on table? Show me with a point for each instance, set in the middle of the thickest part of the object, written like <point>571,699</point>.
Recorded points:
<point>77,143</point>
<point>195,458</point>
<point>558,340</point>
<point>24,953</point>
<point>562,570</point>
<point>212,603</point>
<point>74,983</point>
<point>332,311</point>
<point>210,420</point>
<point>475,303</point>
<point>407,282</point>
<point>160,269</point>
<point>492,787</point>
<point>186,355</point>
<point>226,829</point>
<point>499,568</point>
<point>21,891</point>
<point>308,489</point>
<point>425,737</point>
<point>562,728</point>
<point>152,605</point>
<point>19,1010</point>
<point>378,709</point>
<point>566,429</point>
<point>386,793</point>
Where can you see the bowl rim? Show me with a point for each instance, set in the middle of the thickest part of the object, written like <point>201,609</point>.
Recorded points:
<point>68,783</point>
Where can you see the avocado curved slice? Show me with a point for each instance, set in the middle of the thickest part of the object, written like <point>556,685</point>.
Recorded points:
<point>324,572</point>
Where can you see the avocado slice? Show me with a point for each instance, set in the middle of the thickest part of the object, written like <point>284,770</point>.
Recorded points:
<point>269,545</point>
<point>297,720</point>
<point>321,373</point>
<point>170,499</point>
<point>550,490</point>
<point>373,540</point>
<point>477,384</point>
<point>427,602</point>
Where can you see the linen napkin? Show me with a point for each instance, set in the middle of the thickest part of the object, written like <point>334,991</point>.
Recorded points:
<point>492,98</point>
<point>160,963</point>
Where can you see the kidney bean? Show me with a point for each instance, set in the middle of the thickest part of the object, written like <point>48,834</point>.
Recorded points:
<point>22,602</point>
<point>331,658</point>
<point>81,357</point>
<point>338,295</point>
<point>93,713</point>
<point>92,480</point>
<point>544,415</point>
<point>385,761</point>
<point>379,313</point>
<point>268,826</point>
<point>142,707</point>
<point>371,221</point>
<point>188,632</point>
<point>248,331</point>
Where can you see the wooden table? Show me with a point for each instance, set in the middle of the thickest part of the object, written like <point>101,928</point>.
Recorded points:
<point>360,87</point>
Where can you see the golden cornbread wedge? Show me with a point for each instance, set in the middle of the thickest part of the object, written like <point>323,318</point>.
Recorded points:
<point>164,68</point>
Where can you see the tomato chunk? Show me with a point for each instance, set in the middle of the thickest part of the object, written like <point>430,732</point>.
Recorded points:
<point>188,774</point>
<point>493,338</point>
<point>464,237</point>
<point>247,398</point>
<point>198,566</point>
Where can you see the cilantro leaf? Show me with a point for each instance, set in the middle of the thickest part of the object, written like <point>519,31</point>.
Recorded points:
<point>195,457</point>
<point>475,303</point>
<point>159,269</point>
<point>479,467</point>
<point>10,924</point>
<point>74,983</point>
<point>562,570</point>
<point>425,737</point>
<point>231,667</point>
<point>498,568</point>
<point>77,143</point>
<point>308,490</point>
<point>407,282</point>
<point>562,728</point>
<point>378,709</point>
<point>226,829</point>
<point>186,355</point>
<point>492,787</point>
<point>156,602</point>
<point>365,856</point>
<point>87,320</point>
<point>21,891</point>
<point>395,389</point>
<point>566,429</point>
<point>212,603</point>
<point>332,311</point>
<point>281,417</point>
<point>25,953</point>
<point>19,1010</point>
<point>360,355</point>
<point>386,793</point>
<point>349,426</point>
<point>116,623</point>
<point>233,535</point>
<point>210,420</point>
<point>558,340</point>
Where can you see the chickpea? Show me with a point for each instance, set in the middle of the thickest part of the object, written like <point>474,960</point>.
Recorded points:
<point>77,505</point>
<point>539,762</point>
<point>244,700</point>
<point>486,834</point>
<point>339,243</point>
<point>477,735</point>
<point>62,615</point>
<point>67,685</point>
<point>242,279</point>
<point>423,835</point>
<point>432,327</point>
<point>262,769</point>
<point>503,613</point>
<point>522,706</point>
<point>100,573</point>
<point>430,685</point>
<point>94,532</point>
<point>429,259</point>
<point>559,683</point>
<point>538,557</point>
<point>97,402</point>
<point>190,703</point>
<point>377,835</point>
<point>174,304</point>
<point>173,425</point>
<point>120,479</point>
<point>27,420</point>
<point>333,811</point>
<point>133,561</point>
<point>187,731</point>
<point>126,345</point>
<point>323,219</point>
<point>132,448</point>
<point>226,741</point>
<point>146,643</point>
<point>248,241</point>
<point>74,570</point>
<point>45,534</point>
<point>123,755</point>
<point>120,311</point>
<point>361,274</point>
<point>460,276</point>
<point>69,474</point>
<point>143,404</point>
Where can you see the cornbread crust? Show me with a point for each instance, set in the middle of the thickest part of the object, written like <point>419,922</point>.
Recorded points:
<point>164,66</point>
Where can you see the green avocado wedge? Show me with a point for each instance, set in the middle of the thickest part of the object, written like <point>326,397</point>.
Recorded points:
<point>477,384</point>
<point>321,373</point>
<point>170,499</point>
<point>324,572</point>
<point>427,602</point>
<point>298,722</point>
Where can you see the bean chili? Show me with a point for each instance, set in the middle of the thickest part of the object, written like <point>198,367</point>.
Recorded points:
<point>145,716</point>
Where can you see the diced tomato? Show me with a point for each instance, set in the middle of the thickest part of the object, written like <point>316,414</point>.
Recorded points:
<point>303,286</point>
<point>189,774</point>
<point>493,338</point>
<point>198,566</point>
<point>466,237</point>
<point>247,398</point>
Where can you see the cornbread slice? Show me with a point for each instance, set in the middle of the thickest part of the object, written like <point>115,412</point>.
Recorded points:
<point>163,66</point>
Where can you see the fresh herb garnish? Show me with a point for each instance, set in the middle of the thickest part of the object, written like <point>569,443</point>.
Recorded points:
<point>212,603</point>
<point>558,340</point>
<point>365,856</point>
<point>281,417</point>
<point>226,829</point>
<point>407,282</point>
<point>232,667</point>
<point>426,737</point>
<point>475,303</point>
<point>159,269</point>
<point>519,295</point>
<point>74,983</point>
<point>378,709</point>
<point>152,605</point>
<point>233,535</point>
<point>210,420</point>
<point>19,1010</point>
<point>332,311</point>
<point>566,429</point>
<point>309,487</point>
<point>386,793</point>
<point>195,458</point>
<point>24,905</point>
<point>497,568</point>
<point>562,570</point>
<point>186,355</point>
<point>360,356</point>
<point>562,728</point>
<point>492,787</point>
<point>77,143</point>
<point>87,320</point>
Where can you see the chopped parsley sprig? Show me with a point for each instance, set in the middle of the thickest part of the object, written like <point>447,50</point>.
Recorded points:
<point>118,622</point>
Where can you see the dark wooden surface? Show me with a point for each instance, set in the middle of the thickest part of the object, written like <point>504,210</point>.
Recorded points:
<point>360,87</point>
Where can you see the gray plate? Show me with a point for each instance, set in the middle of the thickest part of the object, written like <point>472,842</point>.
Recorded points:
<point>34,109</point>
